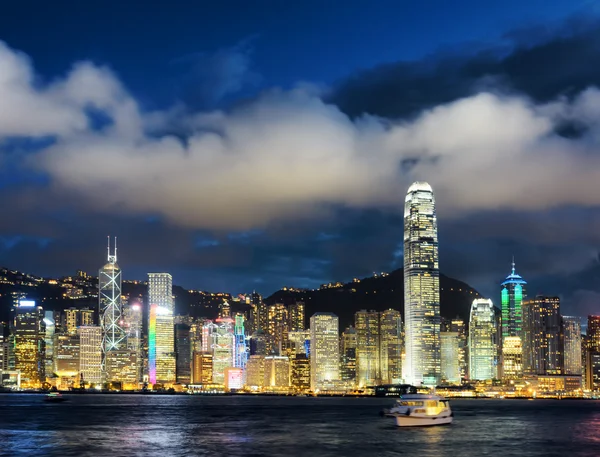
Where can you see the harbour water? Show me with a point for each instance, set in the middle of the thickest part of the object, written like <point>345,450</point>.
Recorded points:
<point>146,425</point>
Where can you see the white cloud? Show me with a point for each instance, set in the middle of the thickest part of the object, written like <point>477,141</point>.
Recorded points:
<point>289,154</point>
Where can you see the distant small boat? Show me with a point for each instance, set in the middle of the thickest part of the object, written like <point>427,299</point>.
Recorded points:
<point>55,397</point>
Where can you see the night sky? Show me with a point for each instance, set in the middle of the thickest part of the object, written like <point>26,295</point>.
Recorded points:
<point>255,145</point>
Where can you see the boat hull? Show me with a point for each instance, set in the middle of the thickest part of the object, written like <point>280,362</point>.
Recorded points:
<point>422,421</point>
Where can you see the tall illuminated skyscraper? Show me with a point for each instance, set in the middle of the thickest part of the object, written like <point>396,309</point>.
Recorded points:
<point>422,365</point>
<point>512,295</point>
<point>161,329</point>
<point>29,348</point>
<point>366,324</point>
<point>109,285</point>
<point>572,329</point>
<point>160,290</point>
<point>183,353</point>
<point>390,346</point>
<point>324,350</point>
<point>296,317</point>
<point>348,353</point>
<point>241,352</point>
<point>450,365</point>
<point>223,347</point>
<point>483,347</point>
<point>543,338</point>
<point>50,329</point>
<point>132,324</point>
<point>90,354</point>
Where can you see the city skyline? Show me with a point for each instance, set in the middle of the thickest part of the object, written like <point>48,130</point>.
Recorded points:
<point>314,197</point>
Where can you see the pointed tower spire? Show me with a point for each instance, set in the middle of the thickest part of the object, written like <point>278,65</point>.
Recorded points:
<point>116,249</point>
<point>108,248</point>
<point>513,265</point>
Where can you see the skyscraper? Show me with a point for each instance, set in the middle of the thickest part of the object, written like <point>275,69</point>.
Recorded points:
<point>542,336</point>
<point>324,350</point>
<point>223,346</point>
<point>572,351</point>
<point>90,354</point>
<point>483,347</point>
<point>390,346</point>
<point>240,350</point>
<point>109,296</point>
<point>183,353</point>
<point>366,324</point>
<point>296,317</point>
<point>422,364</point>
<point>592,353</point>
<point>29,347</point>
<point>512,295</point>
<point>450,365</point>
<point>277,327</point>
<point>160,290</point>
<point>132,325</point>
<point>348,354</point>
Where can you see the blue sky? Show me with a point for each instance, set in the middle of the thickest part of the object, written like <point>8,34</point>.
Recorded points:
<point>293,130</point>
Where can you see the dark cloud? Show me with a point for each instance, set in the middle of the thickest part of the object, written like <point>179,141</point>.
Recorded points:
<point>542,62</point>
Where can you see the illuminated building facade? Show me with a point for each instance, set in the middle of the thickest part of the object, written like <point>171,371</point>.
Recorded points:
<point>50,330</point>
<point>367,348</point>
<point>255,371</point>
<point>324,350</point>
<point>241,351</point>
<point>296,317</point>
<point>301,372</point>
<point>277,372</point>
<point>592,353</point>
<point>29,333</point>
<point>75,317</point>
<point>572,345</point>
<point>132,325</point>
<point>234,378</point>
<point>483,345</point>
<point>543,337</point>
<point>422,364</point>
<point>202,367</point>
<point>277,328</point>
<point>450,365</point>
<point>348,345</point>
<point>512,295</point>
<point>109,296</point>
<point>223,344</point>
<point>183,354</point>
<point>512,357</point>
<point>90,354</point>
<point>66,355</point>
<point>161,346</point>
<point>299,342</point>
<point>121,367</point>
<point>160,290</point>
<point>458,325</point>
<point>390,347</point>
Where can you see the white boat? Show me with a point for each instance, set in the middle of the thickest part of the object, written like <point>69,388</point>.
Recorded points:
<point>419,410</point>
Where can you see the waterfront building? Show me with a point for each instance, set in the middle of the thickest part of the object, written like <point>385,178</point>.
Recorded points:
<point>367,348</point>
<point>324,350</point>
<point>90,354</point>
<point>422,363</point>
<point>572,345</point>
<point>132,325</point>
<point>543,338</point>
<point>234,378</point>
<point>121,367</point>
<point>450,365</point>
<point>255,371</point>
<point>29,348</point>
<point>161,346</point>
<point>277,372</point>
<point>3,352</point>
<point>66,355</point>
<point>109,298</point>
<point>202,368</point>
<point>301,372</point>
<point>592,353</point>
<point>160,291</point>
<point>458,325</point>
<point>223,344</point>
<point>183,353</point>
<point>348,343</point>
<point>50,330</point>
<point>483,346</point>
<point>240,349</point>
<point>390,346</point>
<point>512,295</point>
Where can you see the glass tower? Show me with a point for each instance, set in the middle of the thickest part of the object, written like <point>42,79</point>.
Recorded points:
<point>367,348</point>
<point>572,329</point>
<point>324,350</point>
<point>422,365</point>
<point>483,348</point>
<point>513,292</point>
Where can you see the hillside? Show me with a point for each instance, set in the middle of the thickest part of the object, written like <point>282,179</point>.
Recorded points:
<point>377,293</point>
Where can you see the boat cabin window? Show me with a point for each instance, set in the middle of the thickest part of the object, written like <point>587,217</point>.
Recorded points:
<point>431,404</point>
<point>411,403</point>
